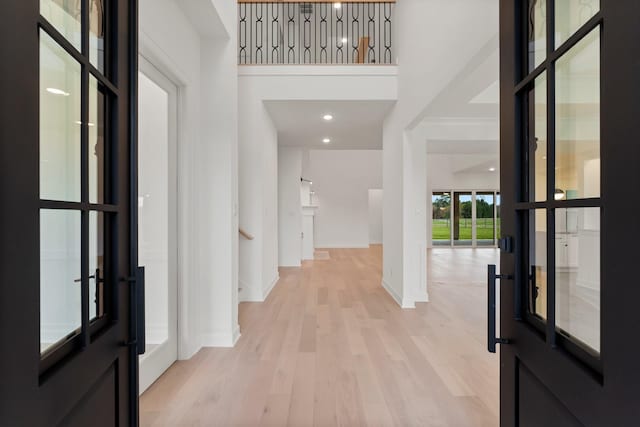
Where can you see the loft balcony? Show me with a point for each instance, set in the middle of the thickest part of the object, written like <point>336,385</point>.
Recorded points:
<point>315,32</point>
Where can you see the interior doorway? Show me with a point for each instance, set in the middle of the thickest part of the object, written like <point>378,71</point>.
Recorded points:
<point>157,237</point>
<point>465,218</point>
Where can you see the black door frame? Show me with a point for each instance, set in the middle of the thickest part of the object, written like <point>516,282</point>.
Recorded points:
<point>34,390</point>
<point>602,393</point>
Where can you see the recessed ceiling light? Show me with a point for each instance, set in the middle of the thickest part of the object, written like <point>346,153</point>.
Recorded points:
<point>326,140</point>
<point>55,91</point>
<point>344,40</point>
<point>337,5</point>
<point>328,117</point>
<point>492,169</point>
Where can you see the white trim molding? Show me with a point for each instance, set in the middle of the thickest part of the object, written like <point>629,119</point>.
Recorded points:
<point>325,247</point>
<point>387,287</point>
<point>221,338</point>
<point>318,70</point>
<point>267,291</point>
<point>253,293</point>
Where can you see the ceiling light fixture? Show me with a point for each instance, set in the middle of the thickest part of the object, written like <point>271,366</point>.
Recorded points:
<point>90,124</point>
<point>337,5</point>
<point>55,91</point>
<point>326,140</point>
<point>328,117</point>
<point>345,40</point>
<point>559,194</point>
<point>492,169</point>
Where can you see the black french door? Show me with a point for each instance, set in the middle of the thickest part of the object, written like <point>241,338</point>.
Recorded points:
<point>570,79</point>
<point>69,282</point>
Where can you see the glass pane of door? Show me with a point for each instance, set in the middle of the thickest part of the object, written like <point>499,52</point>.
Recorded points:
<point>571,15</point>
<point>59,122</point>
<point>537,104</point>
<point>537,265</point>
<point>537,32</point>
<point>65,16</point>
<point>485,219</point>
<point>578,120</point>
<point>498,227</point>
<point>578,274</point>
<point>97,21</point>
<point>462,218</point>
<point>441,224</point>
<point>60,297</point>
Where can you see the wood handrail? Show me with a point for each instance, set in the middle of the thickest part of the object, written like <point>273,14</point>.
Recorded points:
<point>245,234</point>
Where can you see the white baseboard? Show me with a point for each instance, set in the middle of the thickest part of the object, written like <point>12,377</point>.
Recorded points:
<point>422,298</point>
<point>342,246</point>
<point>410,302</point>
<point>392,292</point>
<point>272,285</point>
<point>221,338</point>
<point>236,335</point>
<point>250,295</point>
<point>254,294</point>
<point>406,302</point>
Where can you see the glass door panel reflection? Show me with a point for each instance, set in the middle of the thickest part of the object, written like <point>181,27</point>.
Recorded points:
<point>537,265</point>
<point>578,120</point>
<point>578,275</point>
<point>485,219</point>
<point>60,297</point>
<point>498,227</point>
<point>462,218</point>
<point>441,224</point>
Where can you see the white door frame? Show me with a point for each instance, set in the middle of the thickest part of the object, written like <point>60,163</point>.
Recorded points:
<point>157,361</point>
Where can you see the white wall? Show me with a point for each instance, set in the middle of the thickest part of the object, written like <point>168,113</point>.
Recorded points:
<point>375,216</point>
<point>289,207</point>
<point>199,55</point>
<point>446,172</point>
<point>342,180</point>
<point>258,195</point>
<point>258,149</point>
<point>424,69</point>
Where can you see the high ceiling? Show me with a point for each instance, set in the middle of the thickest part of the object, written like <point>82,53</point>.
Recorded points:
<point>464,118</point>
<point>355,124</point>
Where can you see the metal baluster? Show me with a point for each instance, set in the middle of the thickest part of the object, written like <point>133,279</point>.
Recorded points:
<point>242,33</point>
<point>340,35</point>
<point>371,30</point>
<point>388,58</point>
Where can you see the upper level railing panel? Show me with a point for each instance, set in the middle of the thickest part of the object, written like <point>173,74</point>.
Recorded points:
<point>315,32</point>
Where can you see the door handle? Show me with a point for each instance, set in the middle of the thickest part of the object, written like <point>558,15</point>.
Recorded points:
<point>137,329</point>
<point>140,311</point>
<point>492,340</point>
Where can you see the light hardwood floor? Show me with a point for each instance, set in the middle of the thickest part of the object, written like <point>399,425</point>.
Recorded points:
<point>330,347</point>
